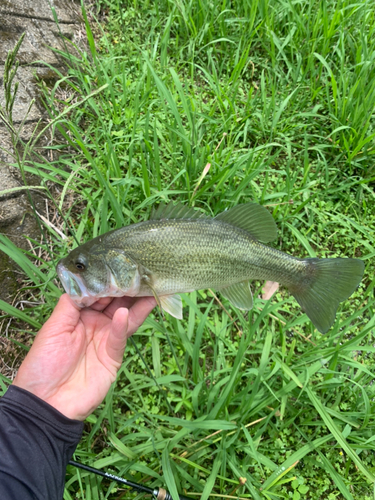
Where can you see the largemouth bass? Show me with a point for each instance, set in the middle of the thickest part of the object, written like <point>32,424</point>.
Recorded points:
<point>180,250</point>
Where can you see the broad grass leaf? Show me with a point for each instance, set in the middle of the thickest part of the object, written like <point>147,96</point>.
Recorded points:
<point>210,482</point>
<point>169,473</point>
<point>336,477</point>
<point>199,424</point>
<point>293,459</point>
<point>119,445</point>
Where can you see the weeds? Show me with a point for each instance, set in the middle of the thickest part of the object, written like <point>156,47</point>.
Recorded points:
<point>214,104</point>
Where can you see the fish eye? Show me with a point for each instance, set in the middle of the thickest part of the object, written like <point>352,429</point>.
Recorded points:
<point>80,263</point>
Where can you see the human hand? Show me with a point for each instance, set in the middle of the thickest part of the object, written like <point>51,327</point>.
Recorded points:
<point>77,353</point>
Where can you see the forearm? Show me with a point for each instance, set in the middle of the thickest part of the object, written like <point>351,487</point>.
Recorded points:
<point>36,443</point>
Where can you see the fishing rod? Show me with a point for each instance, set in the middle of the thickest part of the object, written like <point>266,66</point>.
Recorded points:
<point>157,493</point>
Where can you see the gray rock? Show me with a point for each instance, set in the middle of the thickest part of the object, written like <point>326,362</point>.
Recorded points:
<point>26,93</point>
<point>40,35</point>
<point>66,10</point>
<point>28,77</point>
<point>33,17</point>
<point>16,222</point>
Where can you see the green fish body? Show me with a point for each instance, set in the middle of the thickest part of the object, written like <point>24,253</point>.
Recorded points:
<point>178,250</point>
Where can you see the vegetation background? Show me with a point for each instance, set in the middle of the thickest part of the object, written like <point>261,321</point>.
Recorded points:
<point>216,103</point>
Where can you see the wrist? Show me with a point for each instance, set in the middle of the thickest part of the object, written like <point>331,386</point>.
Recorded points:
<point>62,403</point>
<point>65,413</point>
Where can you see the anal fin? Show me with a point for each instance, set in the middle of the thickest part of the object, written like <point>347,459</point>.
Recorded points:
<point>239,295</point>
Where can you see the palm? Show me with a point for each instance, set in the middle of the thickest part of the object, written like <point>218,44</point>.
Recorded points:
<point>76,355</point>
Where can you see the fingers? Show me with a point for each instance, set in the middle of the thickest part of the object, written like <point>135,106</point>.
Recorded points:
<point>109,305</point>
<point>101,304</point>
<point>117,337</point>
<point>124,323</point>
<point>65,316</point>
<point>139,312</point>
<point>119,302</point>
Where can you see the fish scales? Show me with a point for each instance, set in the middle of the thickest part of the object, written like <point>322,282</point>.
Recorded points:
<point>205,253</point>
<point>179,251</point>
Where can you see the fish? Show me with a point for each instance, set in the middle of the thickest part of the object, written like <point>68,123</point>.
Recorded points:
<point>180,250</point>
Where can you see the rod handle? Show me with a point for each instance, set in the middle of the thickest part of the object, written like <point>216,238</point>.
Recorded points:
<point>162,494</point>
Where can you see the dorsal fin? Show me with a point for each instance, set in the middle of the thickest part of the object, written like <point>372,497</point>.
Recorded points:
<point>253,218</point>
<point>175,211</point>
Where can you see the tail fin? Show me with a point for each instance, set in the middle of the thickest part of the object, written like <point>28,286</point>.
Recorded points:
<point>328,282</point>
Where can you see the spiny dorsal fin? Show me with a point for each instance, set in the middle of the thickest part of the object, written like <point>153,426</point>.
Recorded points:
<point>175,211</point>
<point>253,218</point>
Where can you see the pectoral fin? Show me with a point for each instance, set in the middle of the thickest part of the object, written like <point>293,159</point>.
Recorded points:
<point>239,295</point>
<point>172,304</point>
<point>146,279</point>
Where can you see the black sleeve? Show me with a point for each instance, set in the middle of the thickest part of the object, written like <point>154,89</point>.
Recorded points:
<point>36,443</point>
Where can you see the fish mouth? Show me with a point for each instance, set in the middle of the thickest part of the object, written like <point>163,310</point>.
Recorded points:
<point>74,286</point>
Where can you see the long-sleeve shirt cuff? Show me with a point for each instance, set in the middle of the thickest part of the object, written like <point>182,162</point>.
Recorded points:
<point>36,444</point>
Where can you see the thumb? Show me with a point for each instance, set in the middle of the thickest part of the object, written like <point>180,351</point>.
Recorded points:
<point>117,337</point>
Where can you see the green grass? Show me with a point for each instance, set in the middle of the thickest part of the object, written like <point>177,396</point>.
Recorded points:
<point>278,98</point>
